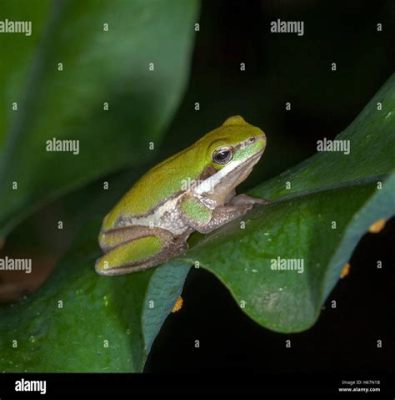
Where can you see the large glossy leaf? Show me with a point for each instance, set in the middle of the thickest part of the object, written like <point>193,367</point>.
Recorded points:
<point>133,55</point>
<point>300,229</point>
<point>320,210</point>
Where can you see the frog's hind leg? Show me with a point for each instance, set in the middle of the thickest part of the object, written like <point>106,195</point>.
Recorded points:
<point>129,250</point>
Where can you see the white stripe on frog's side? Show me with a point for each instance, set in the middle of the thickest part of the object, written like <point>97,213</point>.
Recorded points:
<point>165,216</point>
<point>210,183</point>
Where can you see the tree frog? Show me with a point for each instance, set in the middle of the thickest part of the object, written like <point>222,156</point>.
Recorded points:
<point>194,190</point>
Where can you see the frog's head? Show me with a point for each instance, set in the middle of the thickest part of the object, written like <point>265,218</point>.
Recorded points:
<point>233,143</point>
<point>231,151</point>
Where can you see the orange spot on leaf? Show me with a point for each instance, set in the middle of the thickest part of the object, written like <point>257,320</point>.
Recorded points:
<point>345,270</point>
<point>178,305</point>
<point>377,226</point>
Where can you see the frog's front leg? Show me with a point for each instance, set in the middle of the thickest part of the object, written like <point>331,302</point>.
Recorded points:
<point>204,219</point>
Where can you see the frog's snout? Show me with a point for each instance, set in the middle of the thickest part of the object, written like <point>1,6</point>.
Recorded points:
<point>260,141</point>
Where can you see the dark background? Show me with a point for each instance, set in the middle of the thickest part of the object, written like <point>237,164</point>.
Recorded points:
<point>281,68</point>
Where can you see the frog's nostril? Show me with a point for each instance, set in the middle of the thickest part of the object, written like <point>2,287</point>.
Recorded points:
<point>251,139</point>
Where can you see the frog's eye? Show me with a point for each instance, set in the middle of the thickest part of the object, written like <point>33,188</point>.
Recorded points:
<point>222,155</point>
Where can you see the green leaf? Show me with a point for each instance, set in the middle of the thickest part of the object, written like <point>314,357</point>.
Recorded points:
<point>98,66</point>
<point>328,187</point>
<point>80,321</point>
